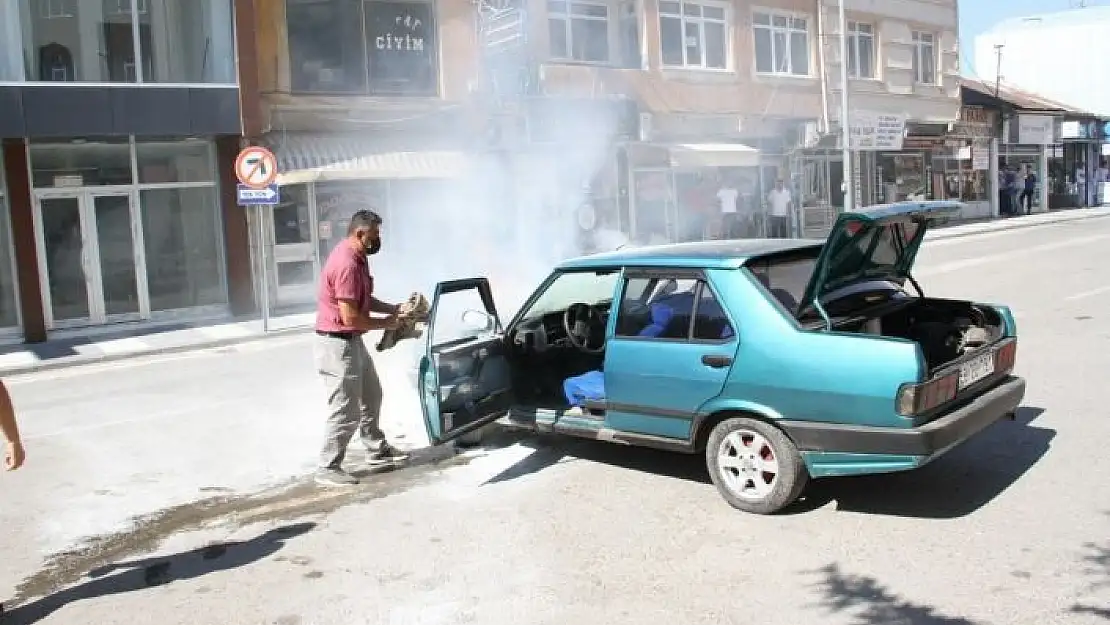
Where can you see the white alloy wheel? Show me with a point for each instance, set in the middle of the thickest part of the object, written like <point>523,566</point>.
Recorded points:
<point>754,465</point>
<point>748,465</point>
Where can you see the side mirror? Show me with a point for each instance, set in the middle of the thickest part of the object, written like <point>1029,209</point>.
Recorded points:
<point>477,320</point>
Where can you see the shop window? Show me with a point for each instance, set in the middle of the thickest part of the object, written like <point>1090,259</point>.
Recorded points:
<point>781,44</point>
<point>9,314</point>
<point>694,35</point>
<point>351,46</point>
<point>175,161</point>
<point>924,58</point>
<point>181,235</point>
<point>578,31</point>
<point>861,50</point>
<point>960,180</point>
<point>91,163</point>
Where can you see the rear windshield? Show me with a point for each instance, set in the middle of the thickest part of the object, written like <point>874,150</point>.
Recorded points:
<point>785,277</point>
<point>871,250</point>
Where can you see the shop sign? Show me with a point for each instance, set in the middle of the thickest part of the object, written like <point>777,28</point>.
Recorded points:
<point>1035,130</point>
<point>975,122</point>
<point>401,48</point>
<point>870,130</point>
<point>980,157</point>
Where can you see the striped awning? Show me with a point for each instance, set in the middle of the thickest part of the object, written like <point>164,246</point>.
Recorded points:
<point>310,157</point>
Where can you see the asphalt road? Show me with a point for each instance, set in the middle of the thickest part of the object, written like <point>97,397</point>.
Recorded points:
<point>1010,528</point>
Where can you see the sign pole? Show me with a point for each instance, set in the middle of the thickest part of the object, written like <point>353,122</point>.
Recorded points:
<point>846,150</point>
<point>264,287</point>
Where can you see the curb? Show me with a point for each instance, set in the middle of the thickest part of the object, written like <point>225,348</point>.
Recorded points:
<point>73,362</point>
<point>1011,225</point>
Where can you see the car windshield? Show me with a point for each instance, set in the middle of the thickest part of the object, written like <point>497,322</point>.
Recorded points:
<point>588,287</point>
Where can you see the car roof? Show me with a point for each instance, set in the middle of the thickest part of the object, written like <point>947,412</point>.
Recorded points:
<point>728,254</point>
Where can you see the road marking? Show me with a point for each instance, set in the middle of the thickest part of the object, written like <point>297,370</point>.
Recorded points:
<point>1085,294</point>
<point>135,420</point>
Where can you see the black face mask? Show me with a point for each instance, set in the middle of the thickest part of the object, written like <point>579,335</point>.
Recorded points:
<point>374,247</point>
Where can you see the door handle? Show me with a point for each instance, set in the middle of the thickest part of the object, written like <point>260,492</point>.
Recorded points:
<point>715,361</point>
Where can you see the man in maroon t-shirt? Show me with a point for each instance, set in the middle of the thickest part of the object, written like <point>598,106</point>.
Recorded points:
<point>345,300</point>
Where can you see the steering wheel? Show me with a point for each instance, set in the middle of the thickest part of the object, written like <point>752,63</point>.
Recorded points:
<point>581,321</point>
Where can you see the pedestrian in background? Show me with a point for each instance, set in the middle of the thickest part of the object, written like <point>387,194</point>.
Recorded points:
<point>1026,199</point>
<point>9,429</point>
<point>345,301</point>
<point>781,202</point>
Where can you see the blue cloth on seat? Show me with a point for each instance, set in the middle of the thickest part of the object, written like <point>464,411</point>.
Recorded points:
<point>589,386</point>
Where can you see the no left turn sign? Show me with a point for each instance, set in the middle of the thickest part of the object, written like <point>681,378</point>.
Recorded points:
<point>256,167</point>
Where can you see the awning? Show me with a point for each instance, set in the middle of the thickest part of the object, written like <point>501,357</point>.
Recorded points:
<point>317,157</point>
<point>693,155</point>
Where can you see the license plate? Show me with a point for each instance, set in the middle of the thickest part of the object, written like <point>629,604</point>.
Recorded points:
<point>976,369</point>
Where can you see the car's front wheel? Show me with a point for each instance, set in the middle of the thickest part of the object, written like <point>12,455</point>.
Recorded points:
<point>754,465</point>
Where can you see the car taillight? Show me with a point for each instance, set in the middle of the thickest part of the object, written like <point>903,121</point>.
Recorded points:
<point>914,399</point>
<point>1005,357</point>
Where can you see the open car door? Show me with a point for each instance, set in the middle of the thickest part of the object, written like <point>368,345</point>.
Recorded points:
<point>465,379</point>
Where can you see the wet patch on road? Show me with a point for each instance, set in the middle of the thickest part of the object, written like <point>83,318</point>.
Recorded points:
<point>293,500</point>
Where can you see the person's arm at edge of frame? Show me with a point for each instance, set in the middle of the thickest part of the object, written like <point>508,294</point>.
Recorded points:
<point>14,453</point>
<point>354,318</point>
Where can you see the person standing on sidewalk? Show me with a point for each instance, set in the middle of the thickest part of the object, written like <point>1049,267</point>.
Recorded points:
<point>345,302</point>
<point>9,429</point>
<point>781,202</point>
<point>1026,199</point>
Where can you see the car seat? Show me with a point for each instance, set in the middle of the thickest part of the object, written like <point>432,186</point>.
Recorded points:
<point>589,386</point>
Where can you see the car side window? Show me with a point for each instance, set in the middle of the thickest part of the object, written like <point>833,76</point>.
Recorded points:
<point>710,322</point>
<point>665,307</point>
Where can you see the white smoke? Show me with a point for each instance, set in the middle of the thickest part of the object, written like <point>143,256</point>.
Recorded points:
<point>511,220</point>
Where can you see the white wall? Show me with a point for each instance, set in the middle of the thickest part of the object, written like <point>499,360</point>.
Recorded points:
<point>1063,56</point>
<point>894,90</point>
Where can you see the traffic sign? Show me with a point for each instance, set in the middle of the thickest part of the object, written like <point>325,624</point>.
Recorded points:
<point>249,196</point>
<point>256,167</point>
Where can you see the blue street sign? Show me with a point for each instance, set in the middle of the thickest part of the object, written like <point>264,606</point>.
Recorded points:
<point>258,197</point>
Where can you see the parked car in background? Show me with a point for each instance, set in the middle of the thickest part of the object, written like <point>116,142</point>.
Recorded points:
<point>779,360</point>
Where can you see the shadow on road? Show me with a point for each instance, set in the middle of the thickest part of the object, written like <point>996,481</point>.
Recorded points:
<point>871,603</point>
<point>140,574</point>
<point>1098,563</point>
<point>955,485</point>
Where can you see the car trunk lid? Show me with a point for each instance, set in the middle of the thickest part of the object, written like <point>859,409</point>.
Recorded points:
<point>878,243</point>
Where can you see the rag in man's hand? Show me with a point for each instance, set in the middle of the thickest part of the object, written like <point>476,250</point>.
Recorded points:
<point>413,316</point>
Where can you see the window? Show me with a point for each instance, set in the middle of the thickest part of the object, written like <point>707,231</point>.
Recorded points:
<point>781,44</point>
<point>861,50</point>
<point>924,58</point>
<point>694,35</point>
<point>181,235</point>
<point>119,41</point>
<point>587,287</point>
<point>672,308</point>
<point>785,279</point>
<point>367,47</point>
<point>579,31</point>
<point>9,314</point>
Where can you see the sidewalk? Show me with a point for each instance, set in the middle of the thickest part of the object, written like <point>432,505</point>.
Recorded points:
<point>122,342</point>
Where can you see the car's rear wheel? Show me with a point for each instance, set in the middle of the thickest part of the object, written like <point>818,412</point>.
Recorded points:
<point>754,466</point>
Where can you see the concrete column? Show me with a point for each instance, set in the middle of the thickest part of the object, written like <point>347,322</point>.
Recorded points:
<point>992,183</point>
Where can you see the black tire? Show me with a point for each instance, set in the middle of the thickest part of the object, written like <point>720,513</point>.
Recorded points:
<point>786,486</point>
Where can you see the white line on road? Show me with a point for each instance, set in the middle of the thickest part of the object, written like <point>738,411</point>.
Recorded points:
<point>100,425</point>
<point>1085,294</point>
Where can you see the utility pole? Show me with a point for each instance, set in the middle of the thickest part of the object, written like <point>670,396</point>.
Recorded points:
<point>998,68</point>
<point>846,151</point>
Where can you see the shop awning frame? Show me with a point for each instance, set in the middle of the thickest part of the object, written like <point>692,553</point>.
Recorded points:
<point>310,157</point>
<point>697,155</point>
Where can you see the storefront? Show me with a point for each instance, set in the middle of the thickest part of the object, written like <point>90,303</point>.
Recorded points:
<point>692,192</point>
<point>961,167</point>
<point>1074,162</point>
<point>1027,141</point>
<point>127,230</point>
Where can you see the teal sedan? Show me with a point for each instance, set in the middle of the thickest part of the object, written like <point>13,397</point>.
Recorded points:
<point>780,360</point>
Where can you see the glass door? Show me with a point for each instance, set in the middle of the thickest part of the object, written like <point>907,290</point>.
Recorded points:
<point>89,258</point>
<point>292,263</point>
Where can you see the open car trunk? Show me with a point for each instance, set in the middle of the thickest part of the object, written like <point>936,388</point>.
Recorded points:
<point>946,330</point>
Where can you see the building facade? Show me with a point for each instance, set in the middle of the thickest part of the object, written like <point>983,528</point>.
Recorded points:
<point>118,118</point>
<point>1027,53</point>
